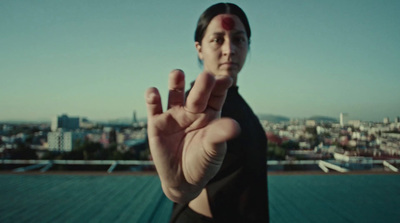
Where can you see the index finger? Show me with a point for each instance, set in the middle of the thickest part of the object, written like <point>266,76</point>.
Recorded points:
<point>197,100</point>
<point>218,94</point>
<point>176,85</point>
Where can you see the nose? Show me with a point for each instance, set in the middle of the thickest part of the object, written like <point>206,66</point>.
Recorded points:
<point>228,48</point>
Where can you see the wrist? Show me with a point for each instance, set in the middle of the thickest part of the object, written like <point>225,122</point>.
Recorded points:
<point>181,194</point>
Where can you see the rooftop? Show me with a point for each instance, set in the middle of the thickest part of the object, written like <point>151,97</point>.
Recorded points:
<point>93,197</point>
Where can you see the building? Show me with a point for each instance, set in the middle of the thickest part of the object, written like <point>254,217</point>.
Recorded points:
<point>62,141</point>
<point>386,120</point>
<point>108,137</point>
<point>84,123</point>
<point>342,119</point>
<point>311,123</point>
<point>64,122</point>
<point>354,123</point>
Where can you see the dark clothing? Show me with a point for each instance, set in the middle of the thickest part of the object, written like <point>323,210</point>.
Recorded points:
<point>187,215</point>
<point>238,193</point>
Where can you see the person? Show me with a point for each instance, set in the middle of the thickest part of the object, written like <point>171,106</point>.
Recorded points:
<point>208,147</point>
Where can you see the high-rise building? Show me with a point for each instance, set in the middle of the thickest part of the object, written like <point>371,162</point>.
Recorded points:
<point>64,122</point>
<point>342,119</point>
<point>63,141</point>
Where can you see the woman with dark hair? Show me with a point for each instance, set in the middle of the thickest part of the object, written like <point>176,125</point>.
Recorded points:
<point>209,148</point>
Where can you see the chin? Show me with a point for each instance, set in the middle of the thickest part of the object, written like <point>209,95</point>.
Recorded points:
<point>232,73</point>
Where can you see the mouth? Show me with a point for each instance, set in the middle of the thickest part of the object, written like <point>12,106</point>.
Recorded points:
<point>229,64</point>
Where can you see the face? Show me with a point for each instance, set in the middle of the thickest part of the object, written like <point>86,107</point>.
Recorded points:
<point>224,46</point>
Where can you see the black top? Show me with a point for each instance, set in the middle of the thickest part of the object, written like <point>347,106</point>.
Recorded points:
<point>238,193</point>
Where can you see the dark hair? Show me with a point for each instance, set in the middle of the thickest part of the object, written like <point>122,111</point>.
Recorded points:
<point>217,9</point>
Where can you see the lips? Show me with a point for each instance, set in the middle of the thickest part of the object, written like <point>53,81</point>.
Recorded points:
<point>229,64</point>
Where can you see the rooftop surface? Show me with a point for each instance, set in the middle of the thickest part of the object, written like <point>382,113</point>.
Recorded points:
<point>138,198</point>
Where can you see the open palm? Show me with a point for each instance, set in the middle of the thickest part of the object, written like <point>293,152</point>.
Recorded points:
<point>188,141</point>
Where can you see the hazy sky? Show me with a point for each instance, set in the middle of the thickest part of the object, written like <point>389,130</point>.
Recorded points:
<point>96,58</point>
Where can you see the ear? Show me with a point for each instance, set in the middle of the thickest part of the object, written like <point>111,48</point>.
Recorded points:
<point>199,50</point>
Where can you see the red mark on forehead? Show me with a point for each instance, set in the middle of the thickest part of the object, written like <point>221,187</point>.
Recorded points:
<point>227,23</point>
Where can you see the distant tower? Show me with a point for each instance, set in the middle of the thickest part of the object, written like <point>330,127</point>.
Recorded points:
<point>397,119</point>
<point>134,120</point>
<point>342,115</point>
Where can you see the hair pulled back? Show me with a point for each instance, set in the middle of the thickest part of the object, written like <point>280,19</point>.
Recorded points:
<point>217,9</point>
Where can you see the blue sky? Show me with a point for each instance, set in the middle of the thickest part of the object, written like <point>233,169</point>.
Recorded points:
<point>95,59</point>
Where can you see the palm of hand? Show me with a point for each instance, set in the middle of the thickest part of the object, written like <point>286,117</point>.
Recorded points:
<point>181,144</point>
<point>187,141</point>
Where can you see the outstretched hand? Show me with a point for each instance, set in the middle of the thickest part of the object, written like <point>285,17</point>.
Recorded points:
<point>188,140</point>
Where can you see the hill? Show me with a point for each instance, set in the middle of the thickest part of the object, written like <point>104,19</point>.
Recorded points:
<point>322,119</point>
<point>273,118</point>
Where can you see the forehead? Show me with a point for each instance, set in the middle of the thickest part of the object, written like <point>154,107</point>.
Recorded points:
<point>225,22</point>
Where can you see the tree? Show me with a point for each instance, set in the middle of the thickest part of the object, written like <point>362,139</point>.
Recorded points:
<point>275,152</point>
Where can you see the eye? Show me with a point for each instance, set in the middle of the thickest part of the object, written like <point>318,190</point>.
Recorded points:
<point>218,40</point>
<point>239,40</point>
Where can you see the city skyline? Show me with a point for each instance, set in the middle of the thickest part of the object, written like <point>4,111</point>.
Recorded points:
<point>96,59</point>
